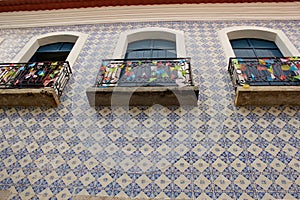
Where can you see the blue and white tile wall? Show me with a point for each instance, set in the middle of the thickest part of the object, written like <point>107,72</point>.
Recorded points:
<point>213,151</point>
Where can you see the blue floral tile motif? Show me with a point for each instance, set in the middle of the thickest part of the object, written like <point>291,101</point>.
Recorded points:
<point>250,173</point>
<point>266,157</point>
<point>294,190</point>
<point>22,185</point>
<point>295,142</point>
<point>278,142</point>
<point>227,157</point>
<point>39,188</point>
<point>277,191</point>
<point>214,150</point>
<point>191,173</point>
<point>271,173</point>
<point>213,191</point>
<point>172,190</point>
<point>132,190</point>
<point>14,168</point>
<point>211,173</point>
<point>230,173</point>
<point>154,175</point>
<point>290,173</point>
<point>188,191</point>
<point>94,188</point>
<point>29,168</point>
<point>172,173</point>
<point>152,190</point>
<point>190,157</point>
<point>63,169</point>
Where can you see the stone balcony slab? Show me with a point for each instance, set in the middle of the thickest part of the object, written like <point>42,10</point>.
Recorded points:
<point>143,96</point>
<point>267,96</point>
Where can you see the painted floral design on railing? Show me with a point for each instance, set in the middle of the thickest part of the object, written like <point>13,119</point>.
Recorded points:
<point>150,72</point>
<point>35,75</point>
<point>265,71</point>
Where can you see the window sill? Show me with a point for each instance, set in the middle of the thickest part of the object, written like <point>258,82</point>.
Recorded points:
<point>143,96</point>
<point>29,97</point>
<point>267,95</point>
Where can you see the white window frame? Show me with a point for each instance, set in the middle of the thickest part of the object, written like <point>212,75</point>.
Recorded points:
<point>31,47</point>
<point>238,32</point>
<point>150,33</point>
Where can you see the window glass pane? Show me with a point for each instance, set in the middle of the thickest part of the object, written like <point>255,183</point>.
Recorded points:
<point>250,47</point>
<point>164,44</point>
<point>67,47</point>
<point>171,54</point>
<point>241,43</point>
<point>49,47</point>
<point>256,43</point>
<point>56,56</point>
<point>131,54</point>
<point>52,52</point>
<point>151,49</point>
<point>277,53</point>
<point>263,53</point>
<point>139,54</point>
<point>147,54</point>
<point>244,53</point>
<point>268,53</point>
<point>143,44</point>
<point>158,54</point>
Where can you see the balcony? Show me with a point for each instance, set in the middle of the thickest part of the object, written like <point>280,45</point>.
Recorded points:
<point>266,81</point>
<point>144,82</point>
<point>33,84</point>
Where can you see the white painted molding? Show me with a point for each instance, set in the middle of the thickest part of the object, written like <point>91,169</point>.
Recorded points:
<point>182,12</point>
<point>281,40</point>
<point>30,48</point>
<point>150,33</point>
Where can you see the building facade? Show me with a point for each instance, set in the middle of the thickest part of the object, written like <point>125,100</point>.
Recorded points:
<point>212,150</point>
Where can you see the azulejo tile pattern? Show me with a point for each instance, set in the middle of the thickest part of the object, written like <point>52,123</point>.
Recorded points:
<point>212,151</point>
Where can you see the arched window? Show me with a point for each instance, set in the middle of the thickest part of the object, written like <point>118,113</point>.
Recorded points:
<point>52,52</point>
<point>65,45</point>
<point>251,47</point>
<point>151,41</point>
<point>260,34</point>
<point>151,48</point>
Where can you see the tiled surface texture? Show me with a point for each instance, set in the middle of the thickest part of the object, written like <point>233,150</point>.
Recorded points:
<point>212,151</point>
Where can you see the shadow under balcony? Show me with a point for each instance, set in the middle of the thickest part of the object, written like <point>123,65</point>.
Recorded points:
<point>144,82</point>
<point>266,81</point>
<point>33,84</point>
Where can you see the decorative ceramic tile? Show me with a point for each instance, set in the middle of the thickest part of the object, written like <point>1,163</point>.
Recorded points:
<point>212,151</point>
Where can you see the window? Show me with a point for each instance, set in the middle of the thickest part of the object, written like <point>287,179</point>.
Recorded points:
<point>171,69</point>
<point>152,48</point>
<point>150,44</point>
<point>251,47</point>
<point>151,41</point>
<point>52,52</point>
<point>260,34</point>
<point>59,43</point>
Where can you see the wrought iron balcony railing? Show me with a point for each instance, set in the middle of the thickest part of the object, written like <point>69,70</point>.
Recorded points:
<point>265,71</point>
<point>35,75</point>
<point>144,72</point>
